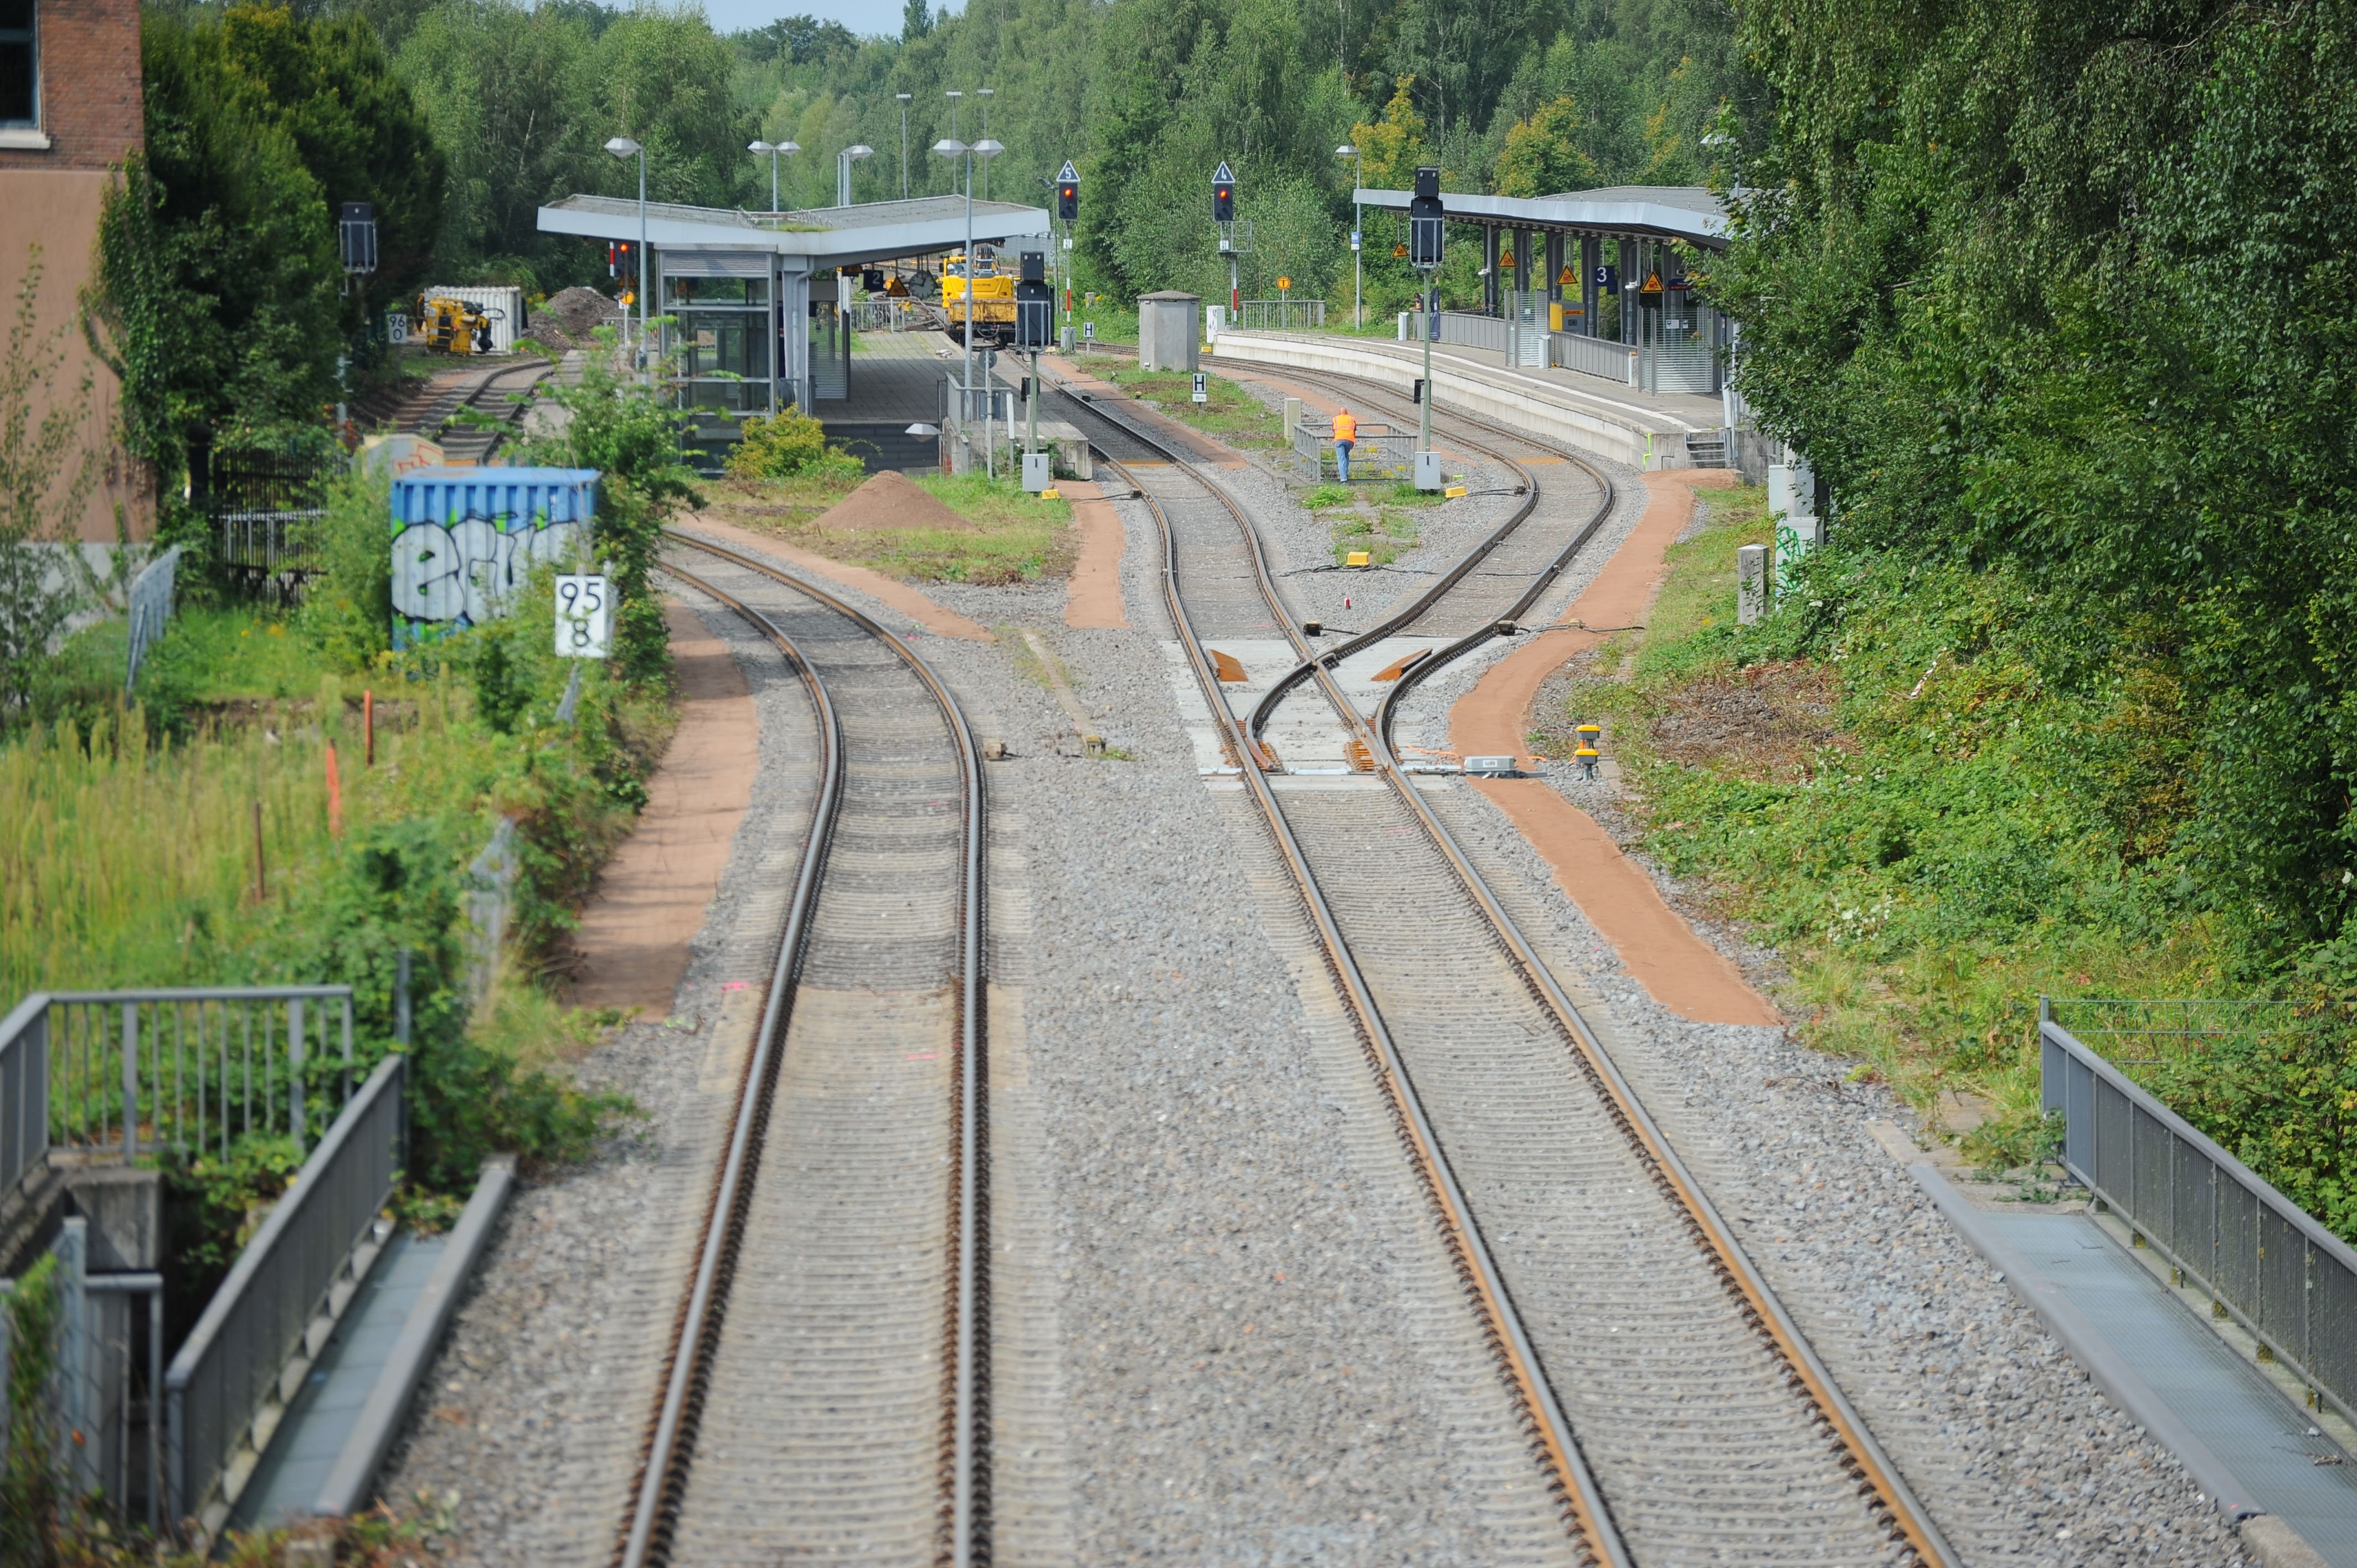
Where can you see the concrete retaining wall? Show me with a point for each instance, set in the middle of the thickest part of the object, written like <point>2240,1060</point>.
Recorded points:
<point>1623,441</point>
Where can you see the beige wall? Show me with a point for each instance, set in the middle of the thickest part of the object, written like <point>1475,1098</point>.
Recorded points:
<point>58,211</point>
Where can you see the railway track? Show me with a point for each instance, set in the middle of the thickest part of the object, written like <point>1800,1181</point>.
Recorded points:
<point>827,1389</point>
<point>1671,1401</point>
<point>496,393</point>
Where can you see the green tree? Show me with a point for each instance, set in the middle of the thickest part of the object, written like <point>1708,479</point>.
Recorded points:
<point>1542,155</point>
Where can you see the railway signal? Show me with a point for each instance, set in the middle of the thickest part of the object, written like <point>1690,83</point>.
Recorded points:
<point>1068,207</point>
<point>1223,194</point>
<point>1426,226</point>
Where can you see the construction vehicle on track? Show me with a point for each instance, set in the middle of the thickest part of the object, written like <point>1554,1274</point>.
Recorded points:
<point>994,297</point>
<point>455,327</point>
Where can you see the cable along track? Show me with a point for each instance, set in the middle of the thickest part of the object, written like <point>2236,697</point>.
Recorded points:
<point>1671,1400</point>
<point>827,1389</point>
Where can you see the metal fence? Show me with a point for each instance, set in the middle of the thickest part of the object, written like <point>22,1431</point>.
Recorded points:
<point>229,1369</point>
<point>264,507</point>
<point>151,608</point>
<point>887,316</point>
<point>188,1069</point>
<point>1593,356</point>
<point>1379,452</point>
<point>2263,1261</point>
<point>1283,314</point>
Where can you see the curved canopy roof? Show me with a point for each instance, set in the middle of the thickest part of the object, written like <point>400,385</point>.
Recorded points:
<point>1688,212</point>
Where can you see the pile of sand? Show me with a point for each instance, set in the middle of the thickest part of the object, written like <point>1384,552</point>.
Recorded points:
<point>889,501</point>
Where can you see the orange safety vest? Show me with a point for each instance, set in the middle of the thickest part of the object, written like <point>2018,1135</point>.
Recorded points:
<point>1345,427</point>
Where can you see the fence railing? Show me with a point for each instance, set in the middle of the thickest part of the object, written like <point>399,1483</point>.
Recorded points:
<point>264,507</point>
<point>151,608</point>
<point>1283,314</point>
<point>885,315</point>
<point>230,1366</point>
<point>2262,1260</point>
<point>188,1069</point>
<point>1379,452</point>
<point>1593,356</point>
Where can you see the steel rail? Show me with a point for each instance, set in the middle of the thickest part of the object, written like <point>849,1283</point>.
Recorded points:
<point>966,1516</point>
<point>1861,1454</point>
<point>696,1336</point>
<point>1569,1475</point>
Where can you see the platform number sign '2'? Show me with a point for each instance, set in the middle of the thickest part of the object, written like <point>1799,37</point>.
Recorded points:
<point>584,628</point>
<point>1202,388</point>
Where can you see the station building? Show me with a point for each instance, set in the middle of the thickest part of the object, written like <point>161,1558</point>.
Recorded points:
<point>762,302</point>
<point>1603,266</point>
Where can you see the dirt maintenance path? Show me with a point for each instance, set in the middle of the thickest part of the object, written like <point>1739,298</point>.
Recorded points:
<point>632,948</point>
<point>1676,967</point>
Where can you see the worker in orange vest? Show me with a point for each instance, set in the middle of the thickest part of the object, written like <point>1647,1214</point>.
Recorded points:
<point>1346,435</point>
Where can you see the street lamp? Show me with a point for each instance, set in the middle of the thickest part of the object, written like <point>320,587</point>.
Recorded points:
<point>624,148</point>
<point>842,162</point>
<point>1358,231</point>
<point>984,150</point>
<point>773,149</point>
<point>985,94</point>
<point>904,98</point>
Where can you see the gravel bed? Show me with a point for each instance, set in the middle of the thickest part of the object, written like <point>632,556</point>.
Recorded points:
<point>2006,1440</point>
<point>1233,1274</point>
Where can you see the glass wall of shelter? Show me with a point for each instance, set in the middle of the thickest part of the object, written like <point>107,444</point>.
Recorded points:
<point>1631,289</point>
<point>722,334</point>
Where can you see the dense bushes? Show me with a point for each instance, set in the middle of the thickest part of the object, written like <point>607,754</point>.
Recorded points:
<point>1980,281</point>
<point>786,447</point>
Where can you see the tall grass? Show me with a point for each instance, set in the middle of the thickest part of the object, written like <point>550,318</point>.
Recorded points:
<point>127,856</point>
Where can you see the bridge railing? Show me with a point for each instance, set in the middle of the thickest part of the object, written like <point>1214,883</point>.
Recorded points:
<point>191,1069</point>
<point>230,1368</point>
<point>2263,1260</point>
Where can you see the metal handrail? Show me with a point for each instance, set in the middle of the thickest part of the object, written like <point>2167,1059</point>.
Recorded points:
<point>230,1366</point>
<point>190,1067</point>
<point>2264,1260</point>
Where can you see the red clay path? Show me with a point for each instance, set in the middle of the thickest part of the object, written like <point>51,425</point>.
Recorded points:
<point>1677,968</point>
<point>632,948</point>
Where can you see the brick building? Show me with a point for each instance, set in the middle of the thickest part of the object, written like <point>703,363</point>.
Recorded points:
<point>71,109</point>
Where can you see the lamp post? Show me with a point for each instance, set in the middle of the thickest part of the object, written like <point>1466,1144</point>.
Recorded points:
<point>624,148</point>
<point>1358,232</point>
<point>773,149</point>
<point>986,150</point>
<point>904,98</point>
<point>955,96</point>
<point>842,162</point>
<point>985,94</point>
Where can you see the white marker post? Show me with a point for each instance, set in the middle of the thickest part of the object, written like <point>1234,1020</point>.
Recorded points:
<point>584,628</point>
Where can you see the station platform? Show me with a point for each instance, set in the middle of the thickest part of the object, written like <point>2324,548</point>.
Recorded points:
<point>2280,1469</point>
<point>895,382</point>
<point>1644,430</point>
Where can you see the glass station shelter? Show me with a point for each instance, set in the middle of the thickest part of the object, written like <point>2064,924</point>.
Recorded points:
<point>762,300</point>
<point>1609,265</point>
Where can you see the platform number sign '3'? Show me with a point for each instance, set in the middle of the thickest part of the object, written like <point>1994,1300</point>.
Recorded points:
<point>1202,389</point>
<point>584,621</point>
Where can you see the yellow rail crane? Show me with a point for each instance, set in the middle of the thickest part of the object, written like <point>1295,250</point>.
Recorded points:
<point>455,327</point>
<point>994,297</point>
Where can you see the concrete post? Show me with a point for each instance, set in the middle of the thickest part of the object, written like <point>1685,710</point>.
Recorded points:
<point>1750,582</point>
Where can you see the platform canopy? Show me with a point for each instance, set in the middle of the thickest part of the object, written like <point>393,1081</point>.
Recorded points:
<point>1688,212</point>
<point>816,239</point>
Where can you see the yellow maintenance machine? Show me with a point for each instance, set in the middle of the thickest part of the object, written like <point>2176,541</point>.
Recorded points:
<point>455,327</point>
<point>994,297</point>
